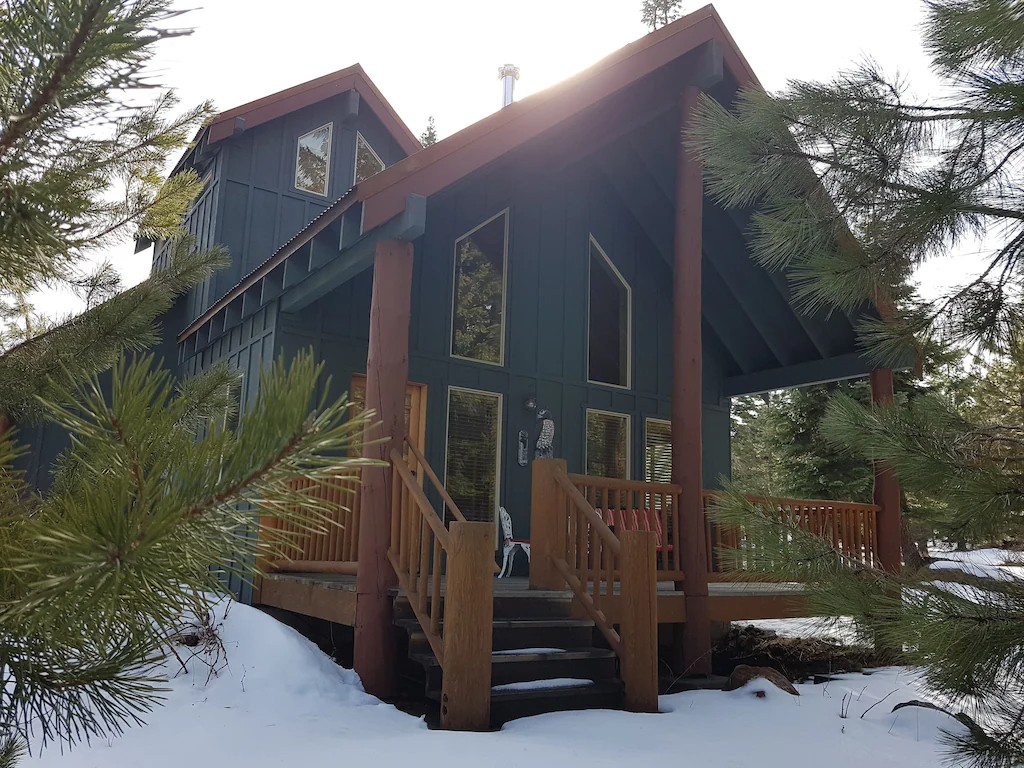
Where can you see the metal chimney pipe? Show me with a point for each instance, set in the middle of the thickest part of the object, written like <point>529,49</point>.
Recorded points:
<point>508,74</point>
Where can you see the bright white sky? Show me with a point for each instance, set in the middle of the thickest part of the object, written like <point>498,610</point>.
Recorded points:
<point>440,57</point>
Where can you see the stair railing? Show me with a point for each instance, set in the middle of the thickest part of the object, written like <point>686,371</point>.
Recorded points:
<point>573,546</point>
<point>424,552</point>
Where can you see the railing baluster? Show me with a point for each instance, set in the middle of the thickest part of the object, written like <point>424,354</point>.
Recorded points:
<point>424,562</point>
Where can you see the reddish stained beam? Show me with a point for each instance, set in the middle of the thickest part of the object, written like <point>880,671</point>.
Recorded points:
<point>387,371</point>
<point>687,396</point>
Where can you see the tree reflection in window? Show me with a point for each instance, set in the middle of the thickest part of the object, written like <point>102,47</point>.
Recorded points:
<point>313,160</point>
<point>477,325</point>
<point>607,444</point>
<point>368,162</point>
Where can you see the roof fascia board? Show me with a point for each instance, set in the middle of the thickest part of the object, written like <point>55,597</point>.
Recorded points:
<point>849,366</point>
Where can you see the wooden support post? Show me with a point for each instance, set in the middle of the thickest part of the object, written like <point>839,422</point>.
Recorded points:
<point>547,525</point>
<point>887,488</point>
<point>264,534</point>
<point>468,618</point>
<point>694,657</point>
<point>639,623</point>
<point>387,370</point>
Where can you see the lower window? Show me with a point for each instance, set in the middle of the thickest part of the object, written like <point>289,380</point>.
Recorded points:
<point>607,453</point>
<point>472,452</point>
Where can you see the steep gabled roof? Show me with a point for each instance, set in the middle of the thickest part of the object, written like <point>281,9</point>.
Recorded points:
<point>430,170</point>
<point>276,105</point>
<point>267,108</point>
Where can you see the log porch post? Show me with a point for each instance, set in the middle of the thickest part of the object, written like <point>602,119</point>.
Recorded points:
<point>887,488</point>
<point>387,371</point>
<point>686,395</point>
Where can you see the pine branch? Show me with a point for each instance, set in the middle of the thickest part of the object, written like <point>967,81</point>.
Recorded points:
<point>19,125</point>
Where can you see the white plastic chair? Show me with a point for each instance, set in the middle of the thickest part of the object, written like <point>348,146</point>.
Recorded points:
<point>509,544</point>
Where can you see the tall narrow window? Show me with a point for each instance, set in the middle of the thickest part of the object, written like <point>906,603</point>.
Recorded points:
<point>368,162</point>
<point>479,296</point>
<point>607,444</point>
<point>658,451</point>
<point>472,452</point>
<point>313,160</point>
<point>610,321</point>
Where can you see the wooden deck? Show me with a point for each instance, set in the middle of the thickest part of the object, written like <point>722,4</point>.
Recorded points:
<point>333,597</point>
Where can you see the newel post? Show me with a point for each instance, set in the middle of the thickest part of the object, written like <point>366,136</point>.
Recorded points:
<point>687,395</point>
<point>887,487</point>
<point>639,623</point>
<point>468,618</point>
<point>387,371</point>
<point>547,525</point>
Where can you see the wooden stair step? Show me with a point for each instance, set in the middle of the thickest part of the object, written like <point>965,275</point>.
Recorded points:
<point>511,704</point>
<point>507,606</point>
<point>506,667</point>
<point>519,633</point>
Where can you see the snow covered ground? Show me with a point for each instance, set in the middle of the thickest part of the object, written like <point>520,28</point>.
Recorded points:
<point>281,702</point>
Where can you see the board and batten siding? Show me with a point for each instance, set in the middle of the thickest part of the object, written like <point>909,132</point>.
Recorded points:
<point>545,325</point>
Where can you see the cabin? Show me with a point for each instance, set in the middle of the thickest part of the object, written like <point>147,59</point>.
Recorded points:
<point>550,318</point>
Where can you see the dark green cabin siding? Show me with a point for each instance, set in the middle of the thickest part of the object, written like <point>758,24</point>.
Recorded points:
<point>550,221</point>
<point>257,207</point>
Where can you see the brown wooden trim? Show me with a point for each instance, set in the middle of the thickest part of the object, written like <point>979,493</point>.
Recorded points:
<point>744,607</point>
<point>315,566</point>
<point>278,104</point>
<point>310,599</point>
<point>469,615</point>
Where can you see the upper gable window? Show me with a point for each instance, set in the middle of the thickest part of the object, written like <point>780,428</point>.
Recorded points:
<point>610,321</point>
<point>313,160</point>
<point>368,162</point>
<point>478,315</point>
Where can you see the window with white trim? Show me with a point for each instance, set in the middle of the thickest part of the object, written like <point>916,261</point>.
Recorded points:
<point>478,297</point>
<point>607,449</point>
<point>658,451</point>
<point>609,329</point>
<point>368,162</point>
<point>313,160</point>
<point>473,452</point>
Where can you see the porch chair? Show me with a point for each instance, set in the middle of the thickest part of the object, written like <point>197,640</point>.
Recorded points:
<point>509,544</point>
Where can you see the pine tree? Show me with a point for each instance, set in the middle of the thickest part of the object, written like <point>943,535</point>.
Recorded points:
<point>658,13</point>
<point>95,573</point>
<point>429,135</point>
<point>854,185</point>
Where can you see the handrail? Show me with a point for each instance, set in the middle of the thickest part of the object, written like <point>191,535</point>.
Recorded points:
<point>422,550</point>
<point>576,547</point>
<point>785,501</point>
<point>642,505</point>
<point>438,485</point>
<point>585,509</point>
<point>587,601</point>
<point>321,542</point>
<point>850,527</point>
<point>413,488</point>
<point>625,485</point>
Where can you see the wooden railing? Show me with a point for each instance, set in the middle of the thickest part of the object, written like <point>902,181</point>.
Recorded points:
<point>578,549</point>
<point>423,550</point>
<point>851,528</point>
<point>331,545</point>
<point>643,506</point>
